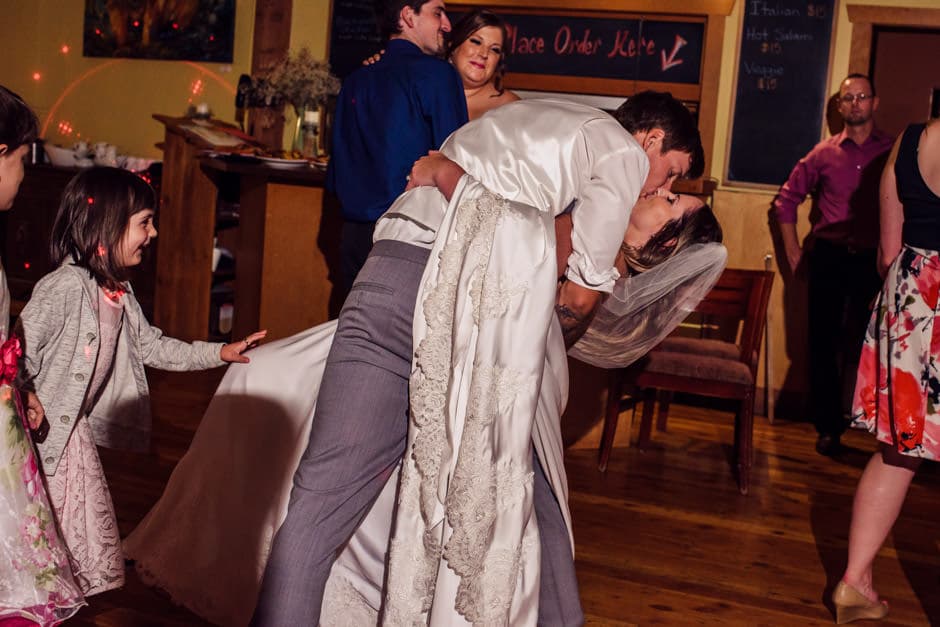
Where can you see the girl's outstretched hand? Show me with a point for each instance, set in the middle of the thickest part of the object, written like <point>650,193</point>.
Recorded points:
<point>233,352</point>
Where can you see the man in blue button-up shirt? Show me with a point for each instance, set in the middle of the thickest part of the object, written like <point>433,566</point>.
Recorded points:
<point>388,115</point>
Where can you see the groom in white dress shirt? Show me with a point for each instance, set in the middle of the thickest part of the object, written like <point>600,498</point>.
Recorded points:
<point>538,154</point>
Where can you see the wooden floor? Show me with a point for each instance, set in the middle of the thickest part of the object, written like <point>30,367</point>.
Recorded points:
<point>663,538</point>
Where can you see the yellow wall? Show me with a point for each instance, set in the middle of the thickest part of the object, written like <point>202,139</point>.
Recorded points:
<point>108,99</point>
<point>112,99</point>
<point>310,26</point>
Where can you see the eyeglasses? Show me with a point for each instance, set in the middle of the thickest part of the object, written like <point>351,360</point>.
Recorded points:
<point>861,98</point>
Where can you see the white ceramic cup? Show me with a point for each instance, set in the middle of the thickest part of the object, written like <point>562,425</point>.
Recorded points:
<point>109,155</point>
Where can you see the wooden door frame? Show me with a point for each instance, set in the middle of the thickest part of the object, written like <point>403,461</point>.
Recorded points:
<point>270,44</point>
<point>865,17</point>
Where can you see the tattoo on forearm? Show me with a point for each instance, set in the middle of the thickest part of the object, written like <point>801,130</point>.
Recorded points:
<point>573,325</point>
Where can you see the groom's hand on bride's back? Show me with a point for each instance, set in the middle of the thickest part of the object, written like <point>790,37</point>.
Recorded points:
<point>435,170</point>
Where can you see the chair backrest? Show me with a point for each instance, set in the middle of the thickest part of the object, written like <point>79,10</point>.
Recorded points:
<point>742,295</point>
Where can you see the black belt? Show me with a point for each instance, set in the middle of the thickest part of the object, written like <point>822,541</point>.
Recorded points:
<point>852,249</point>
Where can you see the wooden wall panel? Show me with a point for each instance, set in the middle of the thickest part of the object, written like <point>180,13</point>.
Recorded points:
<point>271,35</point>
<point>187,221</point>
<point>271,43</point>
<point>863,17</point>
<point>286,274</point>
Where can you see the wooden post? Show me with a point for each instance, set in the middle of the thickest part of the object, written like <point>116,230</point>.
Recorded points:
<point>187,220</point>
<point>282,275</point>
<point>271,44</point>
<point>768,353</point>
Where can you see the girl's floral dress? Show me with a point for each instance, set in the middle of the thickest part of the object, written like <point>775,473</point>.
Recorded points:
<point>897,392</point>
<point>36,581</point>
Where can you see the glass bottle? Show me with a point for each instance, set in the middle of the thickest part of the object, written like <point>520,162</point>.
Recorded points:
<point>310,134</point>
<point>297,141</point>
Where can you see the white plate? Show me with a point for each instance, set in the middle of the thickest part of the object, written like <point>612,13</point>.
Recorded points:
<point>284,163</point>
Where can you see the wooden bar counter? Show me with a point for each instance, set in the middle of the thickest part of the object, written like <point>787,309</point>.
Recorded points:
<point>282,279</point>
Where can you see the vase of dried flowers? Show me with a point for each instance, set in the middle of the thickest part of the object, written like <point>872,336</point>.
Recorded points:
<point>299,80</point>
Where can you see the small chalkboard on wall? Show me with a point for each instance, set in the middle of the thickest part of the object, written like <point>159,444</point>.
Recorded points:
<point>782,88</point>
<point>354,35</point>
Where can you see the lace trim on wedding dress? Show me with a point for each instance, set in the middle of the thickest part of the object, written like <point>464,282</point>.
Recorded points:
<point>343,605</point>
<point>479,488</point>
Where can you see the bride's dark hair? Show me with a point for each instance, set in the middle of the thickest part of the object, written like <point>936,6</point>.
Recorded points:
<point>699,226</point>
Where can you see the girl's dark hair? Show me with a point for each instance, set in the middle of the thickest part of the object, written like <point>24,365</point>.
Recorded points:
<point>698,226</point>
<point>18,123</point>
<point>471,23</point>
<point>95,211</point>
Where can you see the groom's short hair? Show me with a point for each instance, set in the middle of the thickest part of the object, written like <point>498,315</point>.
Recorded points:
<point>657,109</point>
<point>388,13</point>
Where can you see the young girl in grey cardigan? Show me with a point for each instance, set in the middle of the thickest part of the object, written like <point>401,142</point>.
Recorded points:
<point>86,344</point>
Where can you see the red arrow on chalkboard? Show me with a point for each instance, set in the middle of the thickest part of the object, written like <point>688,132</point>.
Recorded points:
<point>672,61</point>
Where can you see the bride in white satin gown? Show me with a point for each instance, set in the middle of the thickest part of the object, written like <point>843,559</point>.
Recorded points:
<point>207,540</point>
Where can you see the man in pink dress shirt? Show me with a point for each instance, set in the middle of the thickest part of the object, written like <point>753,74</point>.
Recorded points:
<point>842,172</point>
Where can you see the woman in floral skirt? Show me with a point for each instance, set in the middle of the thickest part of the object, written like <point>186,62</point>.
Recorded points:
<point>897,394</point>
<point>36,585</point>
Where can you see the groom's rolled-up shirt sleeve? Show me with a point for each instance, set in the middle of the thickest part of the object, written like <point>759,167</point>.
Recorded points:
<point>612,174</point>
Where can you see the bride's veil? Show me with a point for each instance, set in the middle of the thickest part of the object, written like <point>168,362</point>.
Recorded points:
<point>644,308</point>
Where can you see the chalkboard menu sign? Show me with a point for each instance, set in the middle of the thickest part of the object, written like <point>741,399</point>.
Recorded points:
<point>615,47</point>
<point>603,47</point>
<point>354,35</point>
<point>782,87</point>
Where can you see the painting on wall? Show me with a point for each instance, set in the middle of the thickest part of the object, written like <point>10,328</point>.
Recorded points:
<point>181,30</point>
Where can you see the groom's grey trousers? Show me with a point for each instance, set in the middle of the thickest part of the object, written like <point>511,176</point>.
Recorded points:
<point>359,434</point>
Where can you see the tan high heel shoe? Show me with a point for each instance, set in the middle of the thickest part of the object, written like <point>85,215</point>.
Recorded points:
<point>852,605</point>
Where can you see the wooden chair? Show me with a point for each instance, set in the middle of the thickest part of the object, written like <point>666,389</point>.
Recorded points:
<point>703,365</point>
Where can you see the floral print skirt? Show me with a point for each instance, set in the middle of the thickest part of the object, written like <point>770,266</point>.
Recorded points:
<point>36,581</point>
<point>897,392</point>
